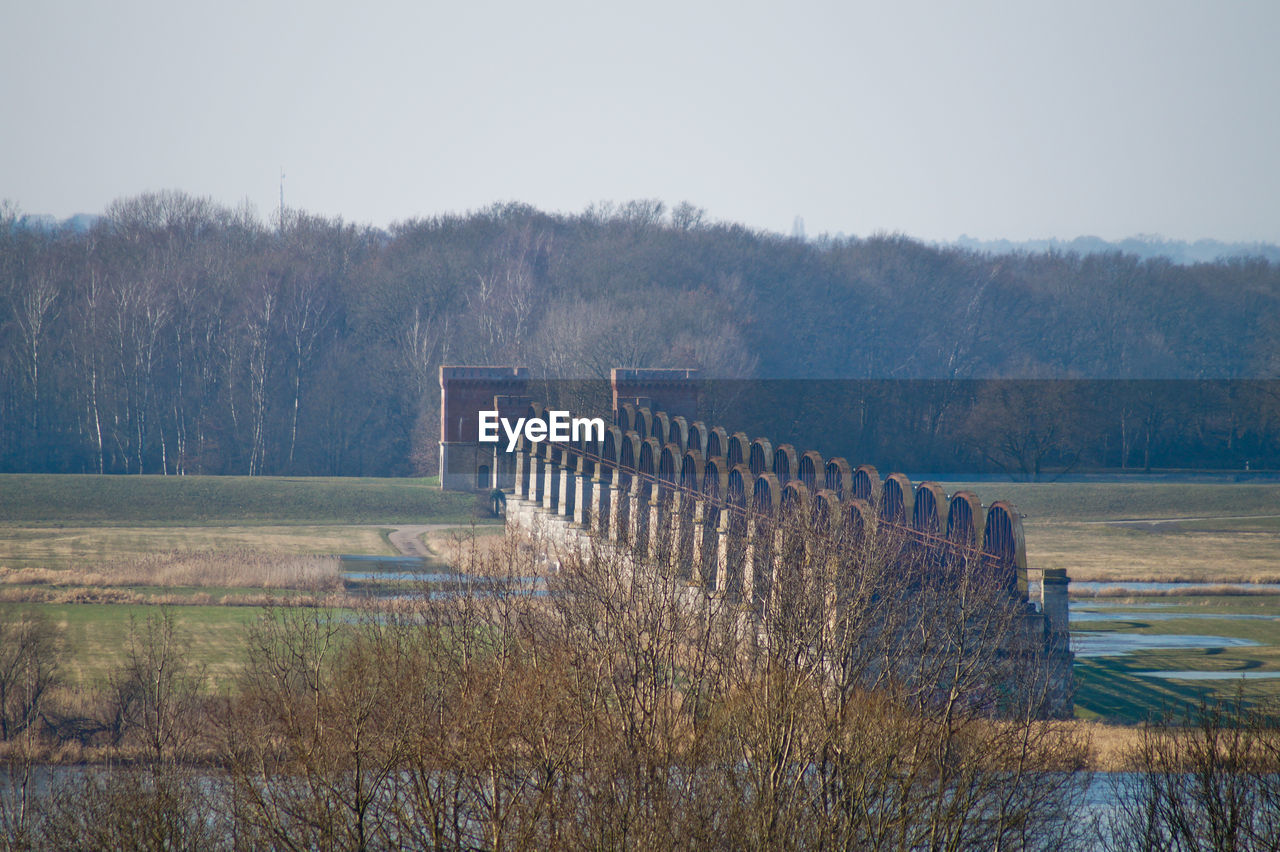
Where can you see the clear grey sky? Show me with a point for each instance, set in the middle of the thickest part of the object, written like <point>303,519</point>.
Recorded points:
<point>1012,119</point>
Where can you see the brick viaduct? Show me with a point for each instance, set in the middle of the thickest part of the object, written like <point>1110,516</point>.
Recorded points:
<point>708,501</point>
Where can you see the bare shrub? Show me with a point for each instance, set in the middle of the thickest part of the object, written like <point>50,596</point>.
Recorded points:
<point>1211,782</point>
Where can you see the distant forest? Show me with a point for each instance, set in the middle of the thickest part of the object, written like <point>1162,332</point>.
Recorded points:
<point>179,336</point>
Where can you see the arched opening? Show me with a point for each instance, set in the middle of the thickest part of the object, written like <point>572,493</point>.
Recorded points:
<point>698,438</point>
<point>784,463</point>
<point>866,484</point>
<point>839,478</point>
<point>896,500</point>
<point>810,464</point>
<point>734,523</point>
<point>643,423</point>
<point>715,483</point>
<point>764,503</point>
<point>1003,548</point>
<point>761,456</point>
<point>661,427</point>
<point>717,442</point>
<point>484,480</point>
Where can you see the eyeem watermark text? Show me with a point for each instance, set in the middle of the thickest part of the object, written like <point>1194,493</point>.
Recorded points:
<point>559,427</point>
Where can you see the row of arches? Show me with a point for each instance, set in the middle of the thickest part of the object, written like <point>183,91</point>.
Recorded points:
<point>651,463</point>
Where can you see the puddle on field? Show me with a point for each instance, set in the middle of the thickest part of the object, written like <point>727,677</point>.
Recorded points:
<point>1199,675</point>
<point>1131,613</point>
<point>1090,587</point>
<point>1086,643</point>
<point>386,576</point>
<point>349,564</point>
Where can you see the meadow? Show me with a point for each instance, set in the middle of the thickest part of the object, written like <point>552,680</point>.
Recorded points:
<point>1148,531</point>
<point>93,552</point>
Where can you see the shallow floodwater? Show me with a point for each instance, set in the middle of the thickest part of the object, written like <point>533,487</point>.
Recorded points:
<point>1085,643</point>
<point>1093,587</point>
<point>1130,612</point>
<point>1199,675</point>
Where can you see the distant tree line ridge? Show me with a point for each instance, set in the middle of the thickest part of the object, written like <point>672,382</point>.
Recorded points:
<point>1143,246</point>
<point>175,335</point>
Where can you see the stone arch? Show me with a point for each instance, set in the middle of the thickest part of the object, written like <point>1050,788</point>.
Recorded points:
<point>669,464</point>
<point>668,472</point>
<point>687,481</point>
<point>964,519</point>
<point>484,479</point>
<point>698,433</point>
<point>866,484</point>
<point>930,509</point>
<point>715,479</point>
<point>680,432</point>
<point>861,517</point>
<point>691,466</point>
<point>643,423</point>
<point>839,478</point>
<point>1003,543</point>
<point>662,427</point>
<point>736,494</point>
<point>896,499</point>
<point>807,469</point>
<point>734,525</point>
<point>796,501</point>
<point>784,463</point>
<point>628,458</point>
<point>765,495</point>
<point>738,450</point>
<point>650,452</point>
<point>609,452</point>
<point>760,456</point>
<point>825,512</point>
<point>765,505</point>
<point>714,486</point>
<point>625,417</point>
<point>717,443</point>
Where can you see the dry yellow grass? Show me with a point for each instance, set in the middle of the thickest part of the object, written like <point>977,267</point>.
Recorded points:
<point>1109,745</point>
<point>239,568</point>
<point>456,547</point>
<point>1105,552</point>
<point>70,547</point>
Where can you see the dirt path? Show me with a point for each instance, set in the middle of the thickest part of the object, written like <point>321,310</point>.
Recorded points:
<point>408,540</point>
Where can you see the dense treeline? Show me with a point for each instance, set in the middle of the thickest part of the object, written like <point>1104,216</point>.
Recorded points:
<point>182,337</point>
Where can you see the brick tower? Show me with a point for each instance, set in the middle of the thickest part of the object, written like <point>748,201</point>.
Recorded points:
<point>465,463</point>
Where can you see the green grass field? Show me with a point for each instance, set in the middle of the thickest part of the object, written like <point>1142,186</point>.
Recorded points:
<point>96,636</point>
<point>74,500</point>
